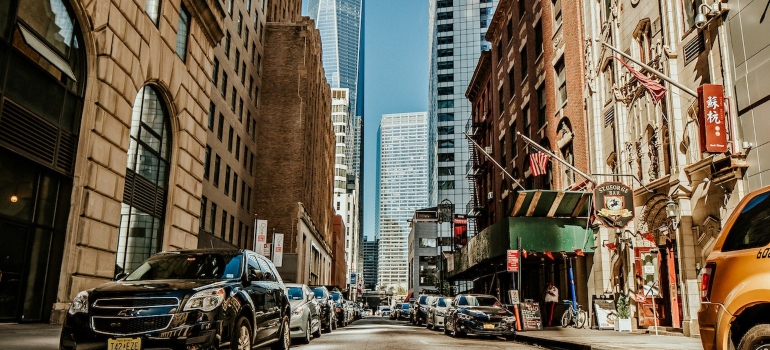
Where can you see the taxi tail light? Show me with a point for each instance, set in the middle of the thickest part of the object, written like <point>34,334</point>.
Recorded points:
<point>707,278</point>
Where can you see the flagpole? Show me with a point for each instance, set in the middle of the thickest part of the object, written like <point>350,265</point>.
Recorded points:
<point>541,148</point>
<point>493,161</point>
<point>652,70</point>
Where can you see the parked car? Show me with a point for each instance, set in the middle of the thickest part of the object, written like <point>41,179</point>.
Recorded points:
<point>350,311</point>
<point>404,312</point>
<point>394,312</point>
<point>340,309</point>
<point>212,298</point>
<point>326,305</point>
<point>419,309</point>
<point>478,314</point>
<point>385,312</point>
<point>735,280</point>
<point>305,312</point>
<point>436,312</point>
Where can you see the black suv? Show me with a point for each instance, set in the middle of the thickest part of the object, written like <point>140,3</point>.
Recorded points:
<point>326,305</point>
<point>340,309</point>
<point>194,299</point>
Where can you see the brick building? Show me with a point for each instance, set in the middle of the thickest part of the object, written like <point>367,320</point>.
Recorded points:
<point>339,276</point>
<point>295,150</point>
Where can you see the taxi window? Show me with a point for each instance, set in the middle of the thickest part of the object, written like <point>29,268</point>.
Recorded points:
<point>752,228</point>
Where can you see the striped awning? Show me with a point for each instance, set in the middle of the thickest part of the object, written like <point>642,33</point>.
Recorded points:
<point>552,204</point>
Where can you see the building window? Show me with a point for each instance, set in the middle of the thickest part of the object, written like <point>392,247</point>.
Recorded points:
<point>213,220</point>
<point>230,140</point>
<point>243,192</point>
<point>539,39</point>
<point>442,91</point>
<point>445,52</point>
<point>501,100</point>
<point>522,8</point>
<point>446,185</point>
<point>223,227</point>
<point>541,104</point>
<point>207,163</point>
<point>182,32</point>
<point>446,117</point>
<point>446,103</point>
<point>227,44</point>
<point>202,222</point>
<point>224,84</point>
<point>140,232</point>
<point>526,120</point>
<point>217,165</point>
<point>512,82</point>
<point>152,8</point>
<point>233,96</point>
<point>442,40</point>
<point>446,65</point>
<point>445,15</point>
<point>212,113</point>
<point>556,13</point>
<point>509,29</point>
<point>523,62</point>
<point>446,130</point>
<point>499,51</point>
<point>248,201</point>
<point>446,143</point>
<point>237,147</point>
<point>221,126</point>
<point>235,186</point>
<point>561,82</point>
<point>446,171</point>
<point>237,61</point>
<point>502,151</point>
<point>444,3</point>
<point>514,139</point>
<point>443,28</point>
<point>230,7</point>
<point>239,23</point>
<point>446,78</point>
<point>446,157</point>
<point>227,180</point>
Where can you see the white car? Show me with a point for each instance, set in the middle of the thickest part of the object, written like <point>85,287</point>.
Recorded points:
<point>436,311</point>
<point>305,312</point>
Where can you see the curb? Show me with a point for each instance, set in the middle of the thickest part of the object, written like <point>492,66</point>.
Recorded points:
<point>551,343</point>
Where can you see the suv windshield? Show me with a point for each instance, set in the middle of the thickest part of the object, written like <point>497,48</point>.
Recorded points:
<point>751,227</point>
<point>188,266</point>
<point>336,296</point>
<point>478,301</point>
<point>423,299</point>
<point>319,293</point>
<point>405,306</point>
<point>295,293</point>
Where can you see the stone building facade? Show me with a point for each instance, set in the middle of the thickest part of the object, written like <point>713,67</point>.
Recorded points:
<point>295,151</point>
<point>110,169</point>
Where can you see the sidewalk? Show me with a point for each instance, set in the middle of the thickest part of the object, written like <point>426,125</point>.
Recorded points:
<point>29,336</point>
<point>591,339</point>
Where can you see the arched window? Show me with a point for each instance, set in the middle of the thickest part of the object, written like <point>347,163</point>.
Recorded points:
<point>147,168</point>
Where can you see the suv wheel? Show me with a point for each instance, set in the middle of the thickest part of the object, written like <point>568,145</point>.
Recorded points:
<point>242,335</point>
<point>306,338</point>
<point>284,341</point>
<point>317,334</point>
<point>757,338</point>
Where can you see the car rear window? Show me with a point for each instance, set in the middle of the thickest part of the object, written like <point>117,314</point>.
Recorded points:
<point>752,227</point>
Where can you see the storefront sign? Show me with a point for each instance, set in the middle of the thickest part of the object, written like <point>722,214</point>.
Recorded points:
<point>277,249</point>
<point>513,261</point>
<point>530,316</point>
<point>603,308</point>
<point>614,204</point>
<point>514,296</point>
<point>711,118</point>
<point>260,236</point>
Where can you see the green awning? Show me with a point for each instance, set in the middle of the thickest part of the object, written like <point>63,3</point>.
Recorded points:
<point>552,204</point>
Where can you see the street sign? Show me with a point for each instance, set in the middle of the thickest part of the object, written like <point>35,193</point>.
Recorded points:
<point>711,118</point>
<point>260,236</point>
<point>514,295</point>
<point>277,249</point>
<point>614,204</point>
<point>513,261</point>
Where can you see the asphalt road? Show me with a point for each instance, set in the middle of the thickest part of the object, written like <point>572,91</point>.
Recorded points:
<point>382,333</point>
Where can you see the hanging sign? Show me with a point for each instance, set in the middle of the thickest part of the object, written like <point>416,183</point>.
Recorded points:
<point>513,261</point>
<point>260,236</point>
<point>614,204</point>
<point>711,117</point>
<point>277,249</point>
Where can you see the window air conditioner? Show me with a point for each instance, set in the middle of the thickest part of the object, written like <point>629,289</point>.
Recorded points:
<point>490,195</point>
<point>488,149</point>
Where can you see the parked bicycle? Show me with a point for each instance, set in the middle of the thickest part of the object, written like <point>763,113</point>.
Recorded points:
<point>575,317</point>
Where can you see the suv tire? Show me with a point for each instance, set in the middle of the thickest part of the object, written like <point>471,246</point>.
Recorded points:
<point>241,339</point>
<point>755,337</point>
<point>317,334</point>
<point>306,338</point>
<point>284,340</point>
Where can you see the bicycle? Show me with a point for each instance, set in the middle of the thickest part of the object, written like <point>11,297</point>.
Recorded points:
<point>576,318</point>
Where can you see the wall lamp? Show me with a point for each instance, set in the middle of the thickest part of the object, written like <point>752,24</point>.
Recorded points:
<point>706,11</point>
<point>672,212</point>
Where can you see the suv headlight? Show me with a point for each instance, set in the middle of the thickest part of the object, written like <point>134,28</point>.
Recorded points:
<point>298,311</point>
<point>79,304</point>
<point>464,316</point>
<point>206,300</point>
<point>511,320</point>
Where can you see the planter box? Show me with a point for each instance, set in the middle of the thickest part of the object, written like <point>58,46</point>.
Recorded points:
<point>623,325</point>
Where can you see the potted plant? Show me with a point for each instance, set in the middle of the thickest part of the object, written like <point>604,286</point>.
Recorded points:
<point>623,323</point>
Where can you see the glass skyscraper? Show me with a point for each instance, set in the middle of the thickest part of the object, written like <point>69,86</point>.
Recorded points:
<point>456,29</point>
<point>403,188</point>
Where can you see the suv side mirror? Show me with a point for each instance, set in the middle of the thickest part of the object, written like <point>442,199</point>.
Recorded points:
<point>120,276</point>
<point>268,276</point>
<point>255,275</point>
<point>310,297</point>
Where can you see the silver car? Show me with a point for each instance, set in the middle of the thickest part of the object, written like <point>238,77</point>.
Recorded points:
<point>305,312</point>
<point>436,311</point>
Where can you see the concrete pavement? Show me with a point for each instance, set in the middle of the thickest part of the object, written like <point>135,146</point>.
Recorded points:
<point>591,339</point>
<point>29,336</point>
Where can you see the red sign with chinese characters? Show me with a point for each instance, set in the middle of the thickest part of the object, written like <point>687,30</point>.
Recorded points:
<point>711,117</point>
<point>513,261</point>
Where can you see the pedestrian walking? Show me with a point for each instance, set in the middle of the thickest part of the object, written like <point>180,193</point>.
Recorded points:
<point>551,298</point>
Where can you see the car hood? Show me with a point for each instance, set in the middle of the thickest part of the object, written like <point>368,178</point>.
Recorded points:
<point>484,311</point>
<point>296,303</point>
<point>156,286</point>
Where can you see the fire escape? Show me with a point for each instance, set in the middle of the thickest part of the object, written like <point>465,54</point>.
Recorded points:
<point>474,171</point>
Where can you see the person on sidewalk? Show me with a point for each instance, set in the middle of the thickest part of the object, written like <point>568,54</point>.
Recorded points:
<point>551,298</point>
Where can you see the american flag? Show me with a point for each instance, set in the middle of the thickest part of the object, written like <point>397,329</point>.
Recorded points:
<point>537,163</point>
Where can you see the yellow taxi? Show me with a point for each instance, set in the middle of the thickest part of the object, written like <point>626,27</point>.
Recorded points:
<point>735,280</point>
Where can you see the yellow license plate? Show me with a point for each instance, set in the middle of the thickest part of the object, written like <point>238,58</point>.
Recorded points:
<point>124,344</point>
<point>489,326</point>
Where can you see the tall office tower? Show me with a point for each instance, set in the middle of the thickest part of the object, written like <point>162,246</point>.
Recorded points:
<point>345,183</point>
<point>371,246</point>
<point>403,179</point>
<point>456,29</point>
<point>227,212</point>
<point>339,22</point>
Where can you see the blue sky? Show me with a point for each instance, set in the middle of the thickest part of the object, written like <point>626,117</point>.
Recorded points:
<point>395,78</point>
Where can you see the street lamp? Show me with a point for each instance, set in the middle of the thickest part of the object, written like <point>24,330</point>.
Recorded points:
<point>672,212</point>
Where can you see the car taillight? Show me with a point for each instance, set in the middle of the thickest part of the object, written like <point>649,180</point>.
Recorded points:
<point>707,278</point>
